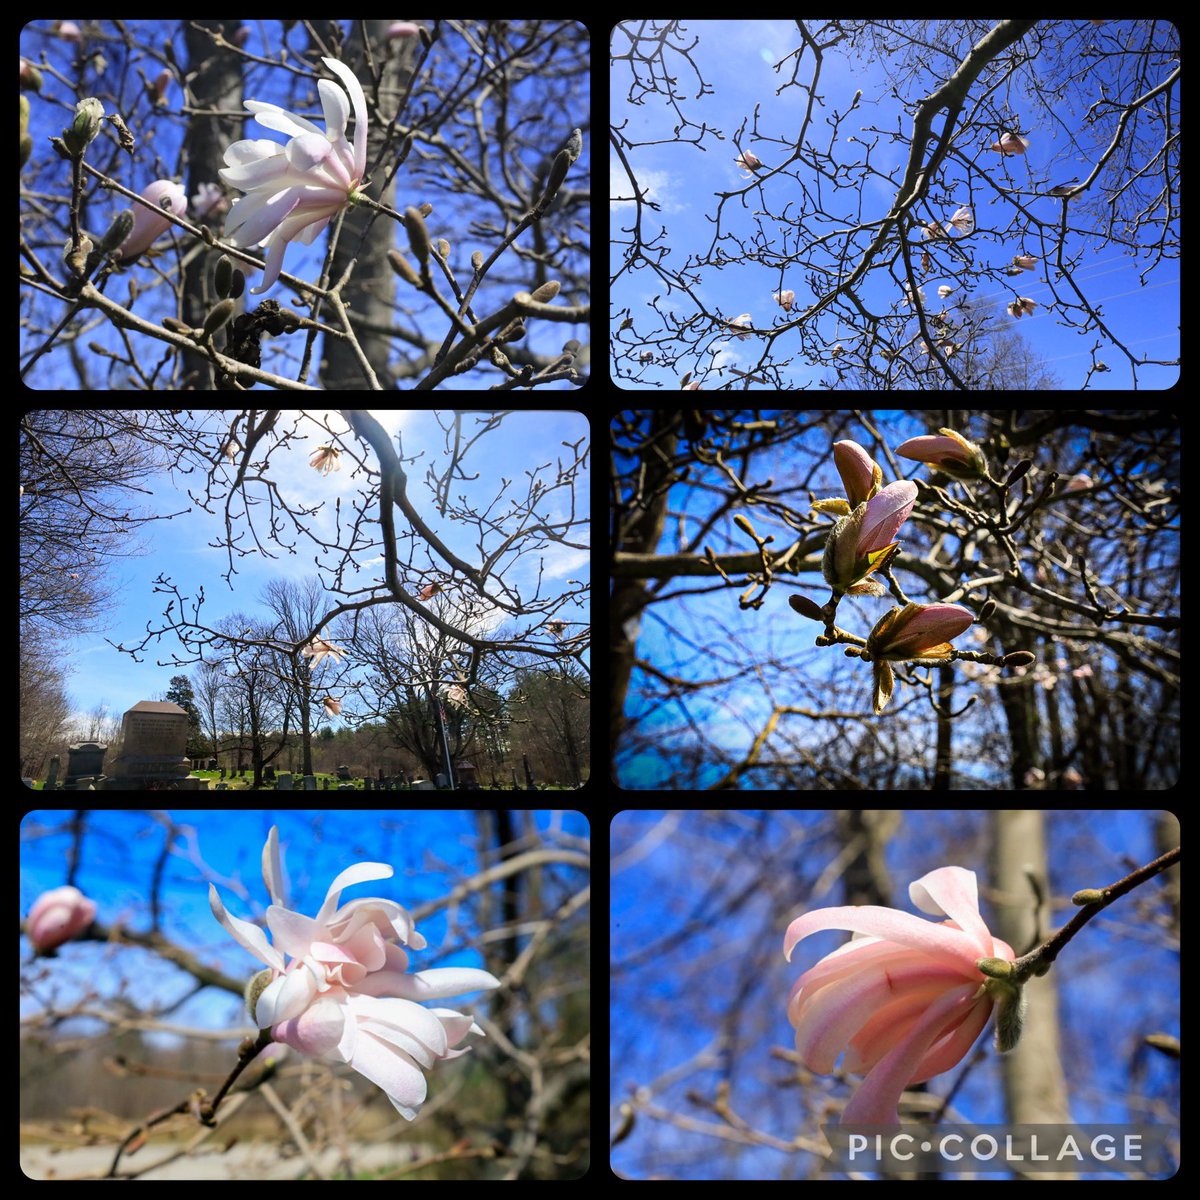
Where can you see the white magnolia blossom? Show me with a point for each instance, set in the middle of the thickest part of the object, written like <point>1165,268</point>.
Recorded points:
<point>742,321</point>
<point>945,290</point>
<point>963,221</point>
<point>293,191</point>
<point>318,648</point>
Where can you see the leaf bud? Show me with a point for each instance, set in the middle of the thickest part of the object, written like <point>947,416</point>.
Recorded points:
<point>255,986</point>
<point>238,286</point>
<point>1087,896</point>
<point>558,172</point>
<point>177,326</point>
<point>477,260</point>
<point>547,291</point>
<point>418,235</point>
<point>1018,658</point>
<point>996,968</point>
<point>989,607</point>
<point>806,607</point>
<point>443,248</point>
<point>218,316</point>
<point>574,146</point>
<point>403,268</point>
<point>223,276</point>
<point>425,209</point>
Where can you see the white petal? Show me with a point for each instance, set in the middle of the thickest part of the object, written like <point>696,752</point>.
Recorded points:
<point>271,116</point>
<point>248,936</point>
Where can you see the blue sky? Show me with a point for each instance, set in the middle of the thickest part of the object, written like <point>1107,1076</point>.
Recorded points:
<point>160,135</point>
<point>701,634</point>
<point>746,63</point>
<point>180,548</point>
<point>699,906</point>
<point>429,851</point>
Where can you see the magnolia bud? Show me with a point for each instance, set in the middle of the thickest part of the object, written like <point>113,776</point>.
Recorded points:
<point>1010,1013</point>
<point>996,968</point>
<point>117,232</point>
<point>574,146</point>
<point>477,260</point>
<point>558,172</point>
<point>218,316</point>
<point>547,291</point>
<point>1087,896</point>
<point>238,286</point>
<point>418,235</point>
<point>443,247</point>
<point>403,268</point>
<point>989,607</point>
<point>806,608</point>
<point>425,209</point>
<point>88,115</point>
<point>223,276</point>
<point>1018,658</point>
<point>255,986</point>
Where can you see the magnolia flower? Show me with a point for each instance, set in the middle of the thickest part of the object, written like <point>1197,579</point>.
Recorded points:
<point>318,648</point>
<point>429,591</point>
<point>1077,483</point>
<point>944,290</point>
<point>932,230</point>
<point>926,262</point>
<point>905,1000</point>
<point>346,994</point>
<point>209,201</point>
<point>748,160</point>
<point>148,226</point>
<point>326,459</point>
<point>915,632</point>
<point>742,321</point>
<point>1021,307</point>
<point>1010,143</point>
<point>68,31</point>
<point>1024,261</point>
<point>908,295</point>
<point>785,299</point>
<point>293,191</point>
<point>333,706</point>
<point>949,453</point>
<point>456,695</point>
<point>838,348</point>
<point>158,89</point>
<point>556,627</point>
<point>402,29</point>
<point>692,387</point>
<point>57,916</point>
<point>862,542</point>
<point>963,221</point>
<point>232,449</point>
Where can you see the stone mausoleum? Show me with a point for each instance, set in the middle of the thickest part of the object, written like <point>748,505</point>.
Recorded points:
<point>154,736</point>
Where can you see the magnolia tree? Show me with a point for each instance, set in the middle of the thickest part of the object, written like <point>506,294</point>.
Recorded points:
<point>894,203</point>
<point>437,169</point>
<point>304,1009</point>
<point>1022,584</point>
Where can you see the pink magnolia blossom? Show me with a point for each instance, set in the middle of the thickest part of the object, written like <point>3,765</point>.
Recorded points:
<point>557,628</point>
<point>346,994</point>
<point>1021,307</point>
<point>1077,483</point>
<point>748,160</point>
<point>1025,261</point>
<point>785,298</point>
<point>692,387</point>
<point>326,459</point>
<point>741,321</point>
<point>962,222</point>
<point>402,29</point>
<point>57,916</point>
<point>333,706</point>
<point>1011,143</point>
<point>293,191</point>
<point>457,696</point>
<point>949,453</point>
<point>916,631</point>
<point>148,226</point>
<point>429,591</point>
<point>69,32</point>
<point>318,648</point>
<point>904,1000</point>
<point>862,542</point>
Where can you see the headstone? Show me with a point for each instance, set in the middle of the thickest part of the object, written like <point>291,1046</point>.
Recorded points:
<point>268,774</point>
<point>28,782</point>
<point>85,762</point>
<point>368,784</point>
<point>325,783</point>
<point>343,772</point>
<point>310,783</point>
<point>154,737</point>
<point>468,777</point>
<point>424,785</point>
<point>52,775</point>
<point>212,764</point>
<point>283,781</point>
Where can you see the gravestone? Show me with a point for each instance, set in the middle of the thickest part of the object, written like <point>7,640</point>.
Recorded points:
<point>343,772</point>
<point>310,783</point>
<point>368,784</point>
<point>85,763</point>
<point>28,783</point>
<point>51,784</point>
<point>440,781</point>
<point>212,764</point>
<point>154,737</point>
<point>283,781</point>
<point>424,785</point>
<point>268,774</point>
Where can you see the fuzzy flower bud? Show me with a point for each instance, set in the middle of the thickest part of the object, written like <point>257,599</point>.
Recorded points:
<point>86,125</point>
<point>950,453</point>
